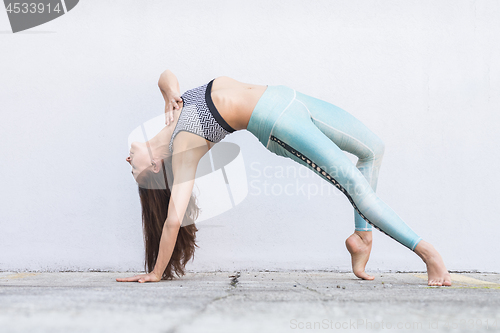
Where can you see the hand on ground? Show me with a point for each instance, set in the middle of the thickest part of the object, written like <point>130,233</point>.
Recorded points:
<point>151,277</point>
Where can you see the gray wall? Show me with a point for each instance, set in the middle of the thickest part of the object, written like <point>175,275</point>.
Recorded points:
<point>423,75</point>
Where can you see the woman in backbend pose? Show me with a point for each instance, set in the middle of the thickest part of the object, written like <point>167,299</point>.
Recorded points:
<point>305,129</point>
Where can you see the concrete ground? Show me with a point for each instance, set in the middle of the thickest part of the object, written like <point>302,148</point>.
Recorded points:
<point>247,302</point>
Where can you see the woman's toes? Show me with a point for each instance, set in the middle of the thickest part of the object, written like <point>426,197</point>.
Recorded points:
<point>368,277</point>
<point>438,282</point>
<point>363,275</point>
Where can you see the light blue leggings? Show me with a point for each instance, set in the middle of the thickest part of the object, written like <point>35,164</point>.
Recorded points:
<point>313,133</point>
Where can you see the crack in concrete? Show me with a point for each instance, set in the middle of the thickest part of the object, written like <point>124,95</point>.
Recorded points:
<point>233,283</point>
<point>234,279</point>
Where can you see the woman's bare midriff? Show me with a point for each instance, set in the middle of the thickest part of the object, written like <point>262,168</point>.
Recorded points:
<point>235,100</point>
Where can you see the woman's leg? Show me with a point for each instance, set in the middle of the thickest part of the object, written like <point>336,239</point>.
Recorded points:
<point>352,136</point>
<point>295,134</point>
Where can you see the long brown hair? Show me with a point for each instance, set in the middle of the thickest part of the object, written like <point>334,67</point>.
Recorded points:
<point>154,193</point>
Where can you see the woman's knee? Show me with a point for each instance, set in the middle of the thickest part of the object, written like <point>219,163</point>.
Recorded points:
<point>378,147</point>
<point>373,150</point>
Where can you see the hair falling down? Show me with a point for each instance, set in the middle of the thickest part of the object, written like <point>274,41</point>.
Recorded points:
<point>154,193</point>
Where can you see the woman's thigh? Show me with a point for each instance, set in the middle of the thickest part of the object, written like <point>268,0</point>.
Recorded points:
<point>345,130</point>
<point>295,136</point>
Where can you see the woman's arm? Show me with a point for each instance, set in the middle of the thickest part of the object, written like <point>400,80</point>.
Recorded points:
<point>170,90</point>
<point>168,82</point>
<point>184,165</point>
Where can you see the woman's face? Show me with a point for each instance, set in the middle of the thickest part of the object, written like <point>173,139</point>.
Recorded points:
<point>139,157</point>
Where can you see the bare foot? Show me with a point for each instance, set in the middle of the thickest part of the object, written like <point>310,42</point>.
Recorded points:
<point>359,245</point>
<point>437,274</point>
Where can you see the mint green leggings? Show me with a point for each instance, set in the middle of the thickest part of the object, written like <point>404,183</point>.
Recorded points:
<point>314,133</point>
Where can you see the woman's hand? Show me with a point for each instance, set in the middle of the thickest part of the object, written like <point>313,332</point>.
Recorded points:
<point>169,87</point>
<point>151,277</point>
<point>172,100</point>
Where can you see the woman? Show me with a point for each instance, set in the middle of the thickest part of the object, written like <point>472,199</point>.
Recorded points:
<point>307,130</point>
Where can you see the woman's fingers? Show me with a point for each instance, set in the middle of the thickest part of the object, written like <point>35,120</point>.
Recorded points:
<point>169,117</point>
<point>129,279</point>
<point>173,104</point>
<point>140,278</point>
<point>169,112</point>
<point>176,101</point>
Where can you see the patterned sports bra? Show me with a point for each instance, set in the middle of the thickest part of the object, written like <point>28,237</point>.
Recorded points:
<point>199,116</point>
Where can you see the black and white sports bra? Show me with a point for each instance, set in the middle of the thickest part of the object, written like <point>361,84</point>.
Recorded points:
<point>200,116</point>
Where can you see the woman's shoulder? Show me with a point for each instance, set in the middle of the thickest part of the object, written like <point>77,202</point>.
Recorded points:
<point>190,142</point>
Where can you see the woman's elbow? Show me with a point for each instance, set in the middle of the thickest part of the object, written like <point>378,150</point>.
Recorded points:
<point>171,223</point>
